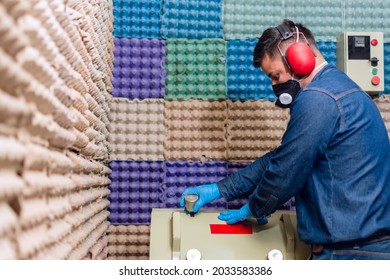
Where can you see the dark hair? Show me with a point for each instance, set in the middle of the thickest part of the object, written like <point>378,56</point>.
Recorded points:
<point>271,37</point>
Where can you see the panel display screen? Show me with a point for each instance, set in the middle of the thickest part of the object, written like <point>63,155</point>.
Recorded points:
<point>359,47</point>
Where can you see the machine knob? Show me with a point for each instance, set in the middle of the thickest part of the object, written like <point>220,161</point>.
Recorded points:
<point>374,61</point>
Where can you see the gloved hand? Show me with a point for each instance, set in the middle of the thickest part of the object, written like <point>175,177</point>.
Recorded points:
<point>234,216</point>
<point>206,194</point>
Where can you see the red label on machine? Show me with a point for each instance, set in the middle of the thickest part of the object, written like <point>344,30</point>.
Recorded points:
<point>230,229</point>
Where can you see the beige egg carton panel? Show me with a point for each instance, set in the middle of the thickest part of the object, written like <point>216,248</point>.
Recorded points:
<point>8,231</point>
<point>30,169</point>
<point>383,104</point>
<point>254,128</point>
<point>99,250</point>
<point>54,238</point>
<point>61,240</point>
<point>137,129</point>
<point>195,130</point>
<point>128,242</point>
<point>8,250</point>
<point>87,246</point>
<point>44,62</point>
<point>55,84</point>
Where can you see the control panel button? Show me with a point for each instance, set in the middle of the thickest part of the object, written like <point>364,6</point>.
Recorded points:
<point>375,80</point>
<point>374,71</point>
<point>374,42</point>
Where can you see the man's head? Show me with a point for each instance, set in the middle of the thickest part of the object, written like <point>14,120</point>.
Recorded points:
<point>271,47</point>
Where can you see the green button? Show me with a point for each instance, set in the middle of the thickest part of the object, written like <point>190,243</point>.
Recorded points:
<point>374,71</point>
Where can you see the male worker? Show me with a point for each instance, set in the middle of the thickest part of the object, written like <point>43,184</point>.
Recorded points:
<point>334,156</point>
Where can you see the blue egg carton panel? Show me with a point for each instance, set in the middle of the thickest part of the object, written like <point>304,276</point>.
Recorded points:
<point>137,18</point>
<point>192,19</point>
<point>244,82</point>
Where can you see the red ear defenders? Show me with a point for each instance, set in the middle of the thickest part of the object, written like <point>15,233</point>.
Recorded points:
<point>299,57</point>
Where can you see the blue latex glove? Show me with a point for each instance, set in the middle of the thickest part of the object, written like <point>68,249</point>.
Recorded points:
<point>234,216</point>
<point>206,194</point>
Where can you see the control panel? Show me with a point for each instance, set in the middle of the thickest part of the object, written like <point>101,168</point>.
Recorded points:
<point>360,56</point>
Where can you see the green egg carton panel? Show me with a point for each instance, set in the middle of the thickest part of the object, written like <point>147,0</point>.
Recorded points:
<point>368,16</point>
<point>196,69</point>
<point>324,18</point>
<point>244,19</point>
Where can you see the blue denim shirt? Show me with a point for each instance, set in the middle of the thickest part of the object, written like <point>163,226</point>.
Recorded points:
<point>334,158</point>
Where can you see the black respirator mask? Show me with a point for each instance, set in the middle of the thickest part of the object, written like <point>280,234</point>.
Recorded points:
<point>286,93</point>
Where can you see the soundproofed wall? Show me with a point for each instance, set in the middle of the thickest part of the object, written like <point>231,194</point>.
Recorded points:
<point>56,61</point>
<point>109,109</point>
<point>189,108</point>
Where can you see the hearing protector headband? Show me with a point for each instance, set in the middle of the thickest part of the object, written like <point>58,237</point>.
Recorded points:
<point>299,57</point>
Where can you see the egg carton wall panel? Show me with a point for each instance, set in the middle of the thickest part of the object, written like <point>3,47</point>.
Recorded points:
<point>192,19</point>
<point>137,19</point>
<point>137,129</point>
<point>139,71</point>
<point>135,191</point>
<point>195,69</point>
<point>180,175</point>
<point>195,130</point>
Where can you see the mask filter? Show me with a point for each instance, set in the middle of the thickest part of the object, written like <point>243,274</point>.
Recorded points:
<point>286,93</point>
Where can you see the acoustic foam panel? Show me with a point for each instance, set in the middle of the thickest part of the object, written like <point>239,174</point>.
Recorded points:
<point>139,71</point>
<point>195,130</point>
<point>196,69</point>
<point>192,19</point>
<point>137,18</point>
<point>137,129</point>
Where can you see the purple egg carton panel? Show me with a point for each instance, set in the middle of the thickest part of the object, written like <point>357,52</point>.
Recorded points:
<point>135,190</point>
<point>139,71</point>
<point>139,186</point>
<point>180,175</point>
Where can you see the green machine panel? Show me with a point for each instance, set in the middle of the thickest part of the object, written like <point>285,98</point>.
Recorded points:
<point>178,236</point>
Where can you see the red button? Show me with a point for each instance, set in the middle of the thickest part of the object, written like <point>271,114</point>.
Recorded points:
<point>374,42</point>
<point>375,80</point>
